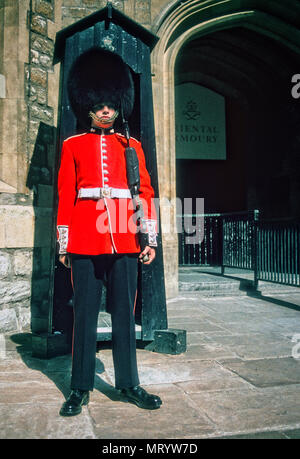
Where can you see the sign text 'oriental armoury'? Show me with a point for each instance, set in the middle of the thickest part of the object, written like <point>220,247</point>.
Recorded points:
<point>200,123</point>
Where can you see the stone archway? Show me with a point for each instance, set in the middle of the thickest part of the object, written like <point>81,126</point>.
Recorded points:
<point>180,24</point>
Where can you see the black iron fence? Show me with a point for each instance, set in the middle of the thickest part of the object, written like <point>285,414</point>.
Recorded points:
<point>241,240</point>
<point>278,245</point>
<point>200,239</point>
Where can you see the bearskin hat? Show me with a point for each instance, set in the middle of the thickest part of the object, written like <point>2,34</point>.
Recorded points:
<point>98,76</point>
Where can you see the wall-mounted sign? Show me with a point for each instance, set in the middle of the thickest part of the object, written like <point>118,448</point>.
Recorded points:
<point>200,123</point>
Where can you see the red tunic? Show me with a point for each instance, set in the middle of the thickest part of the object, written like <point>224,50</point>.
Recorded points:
<point>107,225</point>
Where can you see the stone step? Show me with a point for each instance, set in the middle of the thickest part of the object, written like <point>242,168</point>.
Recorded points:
<point>232,283</point>
<point>266,288</point>
<point>213,288</point>
<point>210,282</point>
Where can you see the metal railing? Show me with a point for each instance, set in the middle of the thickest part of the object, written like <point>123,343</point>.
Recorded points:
<point>205,249</point>
<point>238,234</point>
<point>278,259</point>
<point>240,240</point>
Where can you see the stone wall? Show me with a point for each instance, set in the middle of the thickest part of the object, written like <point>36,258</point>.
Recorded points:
<point>28,157</point>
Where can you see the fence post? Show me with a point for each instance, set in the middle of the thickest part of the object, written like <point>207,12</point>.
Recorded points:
<point>221,223</point>
<point>255,247</point>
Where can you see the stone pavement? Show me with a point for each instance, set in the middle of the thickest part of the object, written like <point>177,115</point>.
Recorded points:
<point>240,377</point>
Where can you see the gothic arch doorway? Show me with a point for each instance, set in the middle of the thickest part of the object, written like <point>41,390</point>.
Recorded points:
<point>249,53</point>
<point>251,72</point>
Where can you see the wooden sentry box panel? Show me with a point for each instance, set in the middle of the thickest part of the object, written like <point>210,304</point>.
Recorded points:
<point>112,30</point>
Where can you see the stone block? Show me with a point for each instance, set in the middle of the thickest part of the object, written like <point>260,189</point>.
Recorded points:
<point>45,60</point>
<point>24,317</point>
<point>39,24</point>
<point>5,265</point>
<point>8,142</point>
<point>90,2</point>
<point>10,52</point>
<point>33,131</point>
<point>11,292</point>
<point>170,341</point>
<point>2,232</point>
<point>2,87</point>
<point>19,226</point>
<point>10,13</point>
<point>41,96</point>
<point>42,44</point>
<point>73,2</point>
<point>7,198</point>
<point>38,59</point>
<point>8,320</point>
<point>10,171</point>
<point>44,8</point>
<point>41,112</point>
<point>74,12</point>
<point>23,262</point>
<point>53,89</point>
<point>38,76</point>
<point>143,11</point>
<point>52,29</point>
<point>34,55</point>
<point>4,187</point>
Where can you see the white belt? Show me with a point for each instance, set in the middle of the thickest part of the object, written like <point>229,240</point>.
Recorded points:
<point>98,193</point>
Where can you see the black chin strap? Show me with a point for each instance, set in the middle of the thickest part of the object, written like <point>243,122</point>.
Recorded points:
<point>102,131</point>
<point>125,123</point>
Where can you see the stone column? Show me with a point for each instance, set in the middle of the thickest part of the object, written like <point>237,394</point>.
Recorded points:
<point>27,147</point>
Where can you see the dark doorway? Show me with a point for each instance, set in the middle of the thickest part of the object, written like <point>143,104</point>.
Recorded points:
<point>253,73</point>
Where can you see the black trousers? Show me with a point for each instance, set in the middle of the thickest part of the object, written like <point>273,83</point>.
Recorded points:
<point>89,273</point>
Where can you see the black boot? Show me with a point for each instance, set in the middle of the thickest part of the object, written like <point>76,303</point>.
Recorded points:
<point>73,404</point>
<point>141,398</point>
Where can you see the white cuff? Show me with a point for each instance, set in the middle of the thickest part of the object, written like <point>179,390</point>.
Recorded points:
<point>151,231</point>
<point>63,237</point>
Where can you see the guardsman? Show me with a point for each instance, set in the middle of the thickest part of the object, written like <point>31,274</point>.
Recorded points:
<point>97,225</point>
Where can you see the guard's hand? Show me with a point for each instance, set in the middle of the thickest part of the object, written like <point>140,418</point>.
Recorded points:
<point>147,255</point>
<point>65,260</point>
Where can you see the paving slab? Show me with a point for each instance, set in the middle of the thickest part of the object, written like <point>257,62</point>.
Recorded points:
<point>259,436</point>
<point>213,377</point>
<point>199,325</point>
<point>249,410</point>
<point>267,435</point>
<point>177,414</point>
<point>272,350</point>
<point>237,379</point>
<point>167,372</point>
<point>266,372</point>
<point>41,421</point>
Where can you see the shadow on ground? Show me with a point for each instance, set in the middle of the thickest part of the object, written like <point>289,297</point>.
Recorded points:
<point>58,369</point>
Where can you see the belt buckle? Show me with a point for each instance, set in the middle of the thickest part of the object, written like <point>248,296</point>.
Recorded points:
<point>106,192</point>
